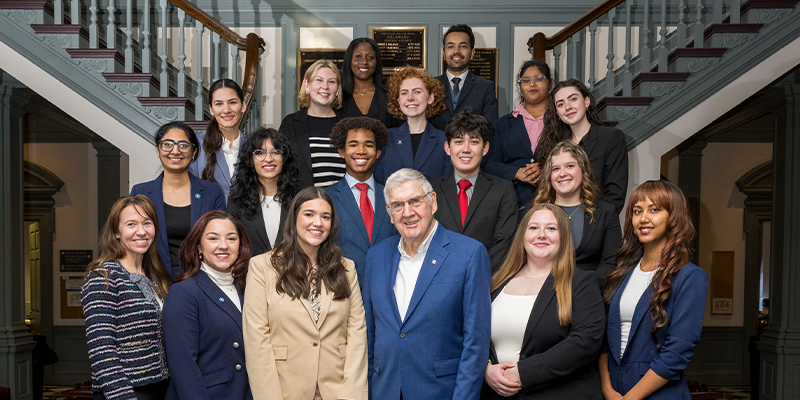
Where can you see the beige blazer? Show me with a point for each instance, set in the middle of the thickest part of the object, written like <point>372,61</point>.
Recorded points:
<point>288,354</point>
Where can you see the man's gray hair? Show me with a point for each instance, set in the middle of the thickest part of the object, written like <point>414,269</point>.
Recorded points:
<point>402,176</point>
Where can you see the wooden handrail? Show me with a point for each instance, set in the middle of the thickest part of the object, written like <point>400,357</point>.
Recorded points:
<point>212,23</point>
<point>539,44</point>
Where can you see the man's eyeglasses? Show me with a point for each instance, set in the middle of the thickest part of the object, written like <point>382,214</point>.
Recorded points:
<point>527,80</point>
<point>260,154</point>
<point>415,202</point>
<point>167,146</point>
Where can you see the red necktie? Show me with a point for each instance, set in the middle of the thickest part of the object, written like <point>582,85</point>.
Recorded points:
<point>463,200</point>
<point>367,214</point>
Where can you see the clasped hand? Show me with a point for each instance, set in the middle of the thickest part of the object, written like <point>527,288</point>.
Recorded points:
<point>503,378</point>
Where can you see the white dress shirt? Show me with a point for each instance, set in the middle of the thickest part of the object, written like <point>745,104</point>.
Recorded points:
<point>408,272</point>
<point>352,181</point>
<point>271,211</point>
<point>231,151</point>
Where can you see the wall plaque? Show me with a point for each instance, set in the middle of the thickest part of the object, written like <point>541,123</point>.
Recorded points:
<point>74,260</point>
<point>401,46</point>
<point>306,57</point>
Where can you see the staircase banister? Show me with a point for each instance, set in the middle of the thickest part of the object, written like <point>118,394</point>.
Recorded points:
<point>212,23</point>
<point>538,47</point>
<point>254,45</point>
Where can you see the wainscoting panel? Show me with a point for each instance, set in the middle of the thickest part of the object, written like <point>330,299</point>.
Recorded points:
<point>69,343</point>
<point>721,358</point>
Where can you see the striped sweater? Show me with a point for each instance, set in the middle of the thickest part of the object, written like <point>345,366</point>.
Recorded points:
<point>123,331</point>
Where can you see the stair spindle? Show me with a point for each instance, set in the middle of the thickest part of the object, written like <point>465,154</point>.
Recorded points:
<point>610,85</point>
<point>111,26</point>
<point>198,99</point>
<point>717,12</point>
<point>58,12</point>
<point>592,55</point>
<point>164,77</point>
<point>736,11</point>
<point>93,39</point>
<point>129,37</point>
<point>144,37</point>
<point>557,62</point>
<point>215,59</point>
<point>627,77</point>
<point>663,54</point>
<point>181,79</point>
<point>681,30</point>
<point>644,39</point>
<point>572,54</point>
<point>698,28</point>
<point>75,12</point>
<point>234,68</point>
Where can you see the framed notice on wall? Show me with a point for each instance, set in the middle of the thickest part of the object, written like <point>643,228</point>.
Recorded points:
<point>306,57</point>
<point>401,46</point>
<point>71,296</point>
<point>722,282</point>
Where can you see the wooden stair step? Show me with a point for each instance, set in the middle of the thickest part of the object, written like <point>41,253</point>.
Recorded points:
<point>731,28</point>
<point>63,29</point>
<point>660,77</point>
<point>197,125</point>
<point>768,4</point>
<point>696,53</point>
<point>132,77</point>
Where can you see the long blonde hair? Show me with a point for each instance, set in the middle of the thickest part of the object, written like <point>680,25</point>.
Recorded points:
<point>563,265</point>
<point>589,191</point>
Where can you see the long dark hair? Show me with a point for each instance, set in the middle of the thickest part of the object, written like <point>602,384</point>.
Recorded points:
<point>111,249</point>
<point>213,140</point>
<point>190,258</point>
<point>555,130</point>
<point>292,264</point>
<point>674,256</point>
<point>247,188</point>
<point>589,191</point>
<point>348,82</point>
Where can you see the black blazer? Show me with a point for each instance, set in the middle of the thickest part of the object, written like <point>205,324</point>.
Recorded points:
<point>491,216</point>
<point>559,362</point>
<point>378,109</point>
<point>477,94</point>
<point>254,226</point>
<point>510,150</point>
<point>601,237</point>
<point>296,127</point>
<point>608,154</point>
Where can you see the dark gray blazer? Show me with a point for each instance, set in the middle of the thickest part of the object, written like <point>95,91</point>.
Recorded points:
<point>601,237</point>
<point>254,226</point>
<point>608,155</point>
<point>477,94</point>
<point>491,216</point>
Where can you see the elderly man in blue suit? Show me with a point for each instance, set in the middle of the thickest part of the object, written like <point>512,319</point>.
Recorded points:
<point>427,304</point>
<point>358,199</point>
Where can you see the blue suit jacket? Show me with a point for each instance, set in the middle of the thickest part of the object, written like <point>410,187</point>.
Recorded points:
<point>431,160</point>
<point>204,342</point>
<point>352,237</point>
<point>206,196</point>
<point>477,94</point>
<point>510,150</point>
<point>676,340</point>
<point>222,175</point>
<point>441,349</point>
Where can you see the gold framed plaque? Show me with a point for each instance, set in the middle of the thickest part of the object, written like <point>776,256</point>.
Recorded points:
<point>401,46</point>
<point>484,64</point>
<point>306,57</point>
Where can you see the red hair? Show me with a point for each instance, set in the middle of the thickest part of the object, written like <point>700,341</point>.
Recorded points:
<point>190,257</point>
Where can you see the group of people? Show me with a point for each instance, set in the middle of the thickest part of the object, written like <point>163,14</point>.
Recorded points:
<point>376,246</point>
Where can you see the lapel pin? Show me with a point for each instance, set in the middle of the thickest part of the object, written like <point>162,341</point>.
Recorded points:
<point>433,262</point>
<point>197,195</point>
<point>399,142</point>
<point>221,300</point>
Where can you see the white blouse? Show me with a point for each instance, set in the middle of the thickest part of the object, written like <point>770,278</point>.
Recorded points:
<point>271,210</point>
<point>510,314</point>
<point>224,281</point>
<point>637,284</point>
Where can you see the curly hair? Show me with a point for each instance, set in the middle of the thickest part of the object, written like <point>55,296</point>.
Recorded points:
<point>247,189</point>
<point>305,99</point>
<point>674,256</point>
<point>292,264</point>
<point>339,133</point>
<point>111,249</point>
<point>563,265</point>
<point>213,139</point>
<point>555,130</point>
<point>432,85</point>
<point>347,66</point>
<point>589,190</point>
<point>190,259</point>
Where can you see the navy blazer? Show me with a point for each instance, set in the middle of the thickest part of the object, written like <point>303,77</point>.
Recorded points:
<point>598,247</point>
<point>491,216</point>
<point>510,150</point>
<point>206,196</point>
<point>222,175</point>
<point>558,362</point>
<point>256,230</point>
<point>440,349</point>
<point>676,340</point>
<point>378,109</point>
<point>608,155</point>
<point>352,237</point>
<point>477,94</point>
<point>431,160</point>
<point>204,342</point>
<point>296,127</point>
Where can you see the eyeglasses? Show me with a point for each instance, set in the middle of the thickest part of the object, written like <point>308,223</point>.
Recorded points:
<point>167,145</point>
<point>415,202</point>
<point>528,79</point>
<point>260,154</point>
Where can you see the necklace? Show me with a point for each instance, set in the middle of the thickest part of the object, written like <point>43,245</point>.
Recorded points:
<point>534,278</point>
<point>268,200</point>
<point>578,207</point>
